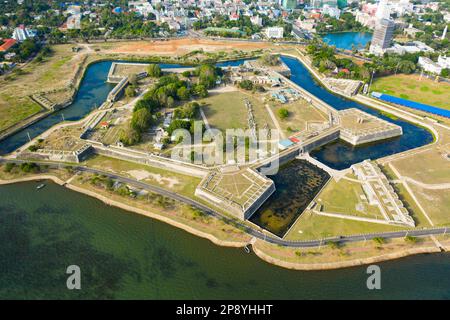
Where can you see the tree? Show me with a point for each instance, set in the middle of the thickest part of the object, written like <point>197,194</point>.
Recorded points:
<point>183,93</point>
<point>129,136</point>
<point>270,59</point>
<point>141,120</point>
<point>283,113</point>
<point>246,84</point>
<point>170,102</point>
<point>207,74</point>
<point>132,79</point>
<point>154,70</point>
<point>445,73</point>
<point>201,91</point>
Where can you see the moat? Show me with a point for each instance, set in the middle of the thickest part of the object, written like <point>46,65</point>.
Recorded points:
<point>297,183</point>
<point>339,155</point>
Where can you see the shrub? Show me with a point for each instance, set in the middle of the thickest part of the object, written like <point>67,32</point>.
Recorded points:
<point>283,113</point>
<point>9,167</point>
<point>154,70</point>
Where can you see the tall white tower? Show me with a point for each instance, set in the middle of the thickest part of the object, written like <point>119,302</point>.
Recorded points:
<point>444,34</point>
<point>383,10</point>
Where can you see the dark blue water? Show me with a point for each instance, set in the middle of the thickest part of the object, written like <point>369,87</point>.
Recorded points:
<point>345,40</point>
<point>340,155</point>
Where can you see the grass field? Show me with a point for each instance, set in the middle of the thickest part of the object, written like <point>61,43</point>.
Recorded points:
<point>227,111</point>
<point>300,112</point>
<point>53,72</point>
<point>436,204</point>
<point>428,167</point>
<point>172,181</point>
<point>310,226</point>
<point>411,87</point>
<point>15,109</point>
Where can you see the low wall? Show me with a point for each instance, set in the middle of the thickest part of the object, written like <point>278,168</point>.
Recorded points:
<point>321,142</point>
<point>259,202</point>
<point>377,136</point>
<point>166,165</point>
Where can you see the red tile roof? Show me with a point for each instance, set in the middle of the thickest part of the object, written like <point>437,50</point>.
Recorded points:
<point>7,44</point>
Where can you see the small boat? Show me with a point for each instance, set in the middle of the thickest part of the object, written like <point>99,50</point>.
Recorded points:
<point>40,186</point>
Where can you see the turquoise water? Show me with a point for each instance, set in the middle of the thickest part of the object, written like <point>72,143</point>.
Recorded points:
<point>346,40</point>
<point>124,255</point>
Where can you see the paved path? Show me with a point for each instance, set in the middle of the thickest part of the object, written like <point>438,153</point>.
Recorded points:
<point>411,193</point>
<point>275,122</point>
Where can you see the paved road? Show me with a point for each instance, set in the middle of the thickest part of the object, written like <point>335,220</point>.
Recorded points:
<point>249,230</point>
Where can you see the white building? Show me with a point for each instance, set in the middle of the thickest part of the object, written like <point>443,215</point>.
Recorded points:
<point>74,22</point>
<point>21,33</point>
<point>429,66</point>
<point>274,32</point>
<point>382,36</point>
<point>384,10</point>
<point>331,11</point>
<point>410,47</point>
<point>142,7</point>
<point>366,19</point>
<point>257,21</point>
<point>444,62</point>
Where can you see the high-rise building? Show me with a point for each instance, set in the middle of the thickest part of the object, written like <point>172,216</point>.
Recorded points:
<point>289,4</point>
<point>317,4</point>
<point>382,36</point>
<point>384,10</point>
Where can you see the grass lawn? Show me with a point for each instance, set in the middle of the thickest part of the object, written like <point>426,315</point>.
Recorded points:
<point>436,203</point>
<point>53,72</point>
<point>310,226</point>
<point>227,111</point>
<point>410,87</point>
<point>169,180</point>
<point>428,167</point>
<point>15,109</point>
<point>344,197</point>
<point>300,112</point>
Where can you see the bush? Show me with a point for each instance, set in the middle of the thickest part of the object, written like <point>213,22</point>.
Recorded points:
<point>154,70</point>
<point>130,91</point>
<point>9,167</point>
<point>270,59</point>
<point>379,240</point>
<point>283,113</point>
<point>246,85</point>
<point>411,239</point>
<point>33,148</point>
<point>29,167</point>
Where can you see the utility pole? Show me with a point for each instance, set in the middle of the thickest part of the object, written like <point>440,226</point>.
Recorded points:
<point>370,84</point>
<point>28,134</point>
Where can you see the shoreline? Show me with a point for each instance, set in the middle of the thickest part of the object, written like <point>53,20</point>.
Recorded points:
<point>231,244</point>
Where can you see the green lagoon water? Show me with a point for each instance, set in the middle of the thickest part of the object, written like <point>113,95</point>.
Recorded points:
<point>297,183</point>
<point>123,255</point>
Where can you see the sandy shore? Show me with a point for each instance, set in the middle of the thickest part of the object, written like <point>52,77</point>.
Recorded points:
<point>343,264</point>
<point>236,244</point>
